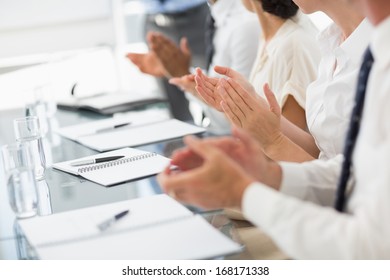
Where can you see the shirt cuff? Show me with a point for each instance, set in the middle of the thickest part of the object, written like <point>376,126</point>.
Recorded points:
<point>294,179</point>
<point>260,204</point>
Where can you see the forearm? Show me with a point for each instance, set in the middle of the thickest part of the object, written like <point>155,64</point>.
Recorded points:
<point>284,149</point>
<point>300,137</point>
<point>307,231</point>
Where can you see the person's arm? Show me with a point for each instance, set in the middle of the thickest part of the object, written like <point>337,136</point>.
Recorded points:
<point>300,137</point>
<point>304,230</point>
<point>251,112</point>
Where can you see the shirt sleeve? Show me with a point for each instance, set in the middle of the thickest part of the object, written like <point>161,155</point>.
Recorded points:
<point>313,181</point>
<point>305,58</point>
<point>304,230</point>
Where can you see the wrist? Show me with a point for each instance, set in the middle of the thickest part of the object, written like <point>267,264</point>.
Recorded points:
<point>239,190</point>
<point>274,147</point>
<point>273,175</point>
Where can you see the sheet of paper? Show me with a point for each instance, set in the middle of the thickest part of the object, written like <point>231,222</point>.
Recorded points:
<point>74,132</point>
<point>157,227</point>
<point>139,135</point>
<point>82,223</point>
<point>191,238</point>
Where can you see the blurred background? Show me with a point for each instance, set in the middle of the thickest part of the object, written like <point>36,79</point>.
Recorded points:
<point>49,45</point>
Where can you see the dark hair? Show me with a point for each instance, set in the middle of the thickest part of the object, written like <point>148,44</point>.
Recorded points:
<point>282,8</point>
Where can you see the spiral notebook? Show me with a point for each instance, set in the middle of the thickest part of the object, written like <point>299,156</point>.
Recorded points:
<point>135,164</point>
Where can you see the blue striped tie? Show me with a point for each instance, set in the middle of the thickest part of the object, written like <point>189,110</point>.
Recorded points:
<point>353,130</point>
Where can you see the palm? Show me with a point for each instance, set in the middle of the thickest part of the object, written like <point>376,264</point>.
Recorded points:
<point>148,63</point>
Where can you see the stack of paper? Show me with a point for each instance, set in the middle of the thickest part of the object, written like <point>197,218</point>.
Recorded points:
<point>95,135</point>
<point>156,227</point>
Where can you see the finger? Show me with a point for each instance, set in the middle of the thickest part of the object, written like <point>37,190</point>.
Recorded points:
<point>150,36</point>
<point>230,114</point>
<point>240,94</point>
<point>176,81</point>
<point>207,91</point>
<point>184,46</point>
<point>134,57</point>
<point>178,182</point>
<point>186,160</point>
<point>232,99</point>
<point>273,103</point>
<point>208,85</point>
<point>191,77</point>
<point>208,98</point>
<point>226,71</point>
<point>201,148</point>
<point>212,81</point>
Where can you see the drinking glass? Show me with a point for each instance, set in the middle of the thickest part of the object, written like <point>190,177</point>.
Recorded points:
<point>21,184</point>
<point>27,130</point>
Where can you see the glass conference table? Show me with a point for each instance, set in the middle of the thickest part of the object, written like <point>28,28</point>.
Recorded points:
<point>60,191</point>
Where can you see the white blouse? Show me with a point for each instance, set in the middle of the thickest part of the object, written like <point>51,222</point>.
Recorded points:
<point>288,62</point>
<point>305,230</point>
<point>330,98</point>
<point>235,41</point>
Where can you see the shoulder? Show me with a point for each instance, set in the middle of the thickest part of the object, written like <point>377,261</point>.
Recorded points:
<point>299,41</point>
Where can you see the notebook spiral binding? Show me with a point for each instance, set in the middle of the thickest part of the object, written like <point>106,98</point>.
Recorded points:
<point>115,162</point>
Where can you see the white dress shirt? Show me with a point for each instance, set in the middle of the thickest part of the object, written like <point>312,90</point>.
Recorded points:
<point>305,230</point>
<point>288,62</point>
<point>329,99</point>
<point>235,41</point>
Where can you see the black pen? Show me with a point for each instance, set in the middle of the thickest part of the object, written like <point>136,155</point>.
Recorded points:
<point>108,223</point>
<point>112,127</point>
<point>95,160</point>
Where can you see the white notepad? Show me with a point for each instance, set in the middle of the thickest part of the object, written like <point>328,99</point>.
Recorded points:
<point>135,164</point>
<point>129,136</point>
<point>157,227</point>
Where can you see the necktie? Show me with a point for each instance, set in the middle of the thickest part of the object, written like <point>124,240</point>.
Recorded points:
<point>209,36</point>
<point>353,130</point>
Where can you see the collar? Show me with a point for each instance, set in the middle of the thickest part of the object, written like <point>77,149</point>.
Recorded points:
<point>358,41</point>
<point>381,43</point>
<point>287,28</point>
<point>349,50</point>
<point>330,38</point>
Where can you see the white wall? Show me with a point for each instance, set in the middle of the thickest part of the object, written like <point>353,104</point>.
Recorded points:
<point>36,26</point>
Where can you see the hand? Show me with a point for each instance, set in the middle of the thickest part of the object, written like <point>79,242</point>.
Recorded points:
<point>237,77</point>
<point>253,113</point>
<point>241,148</point>
<point>175,60</point>
<point>186,83</point>
<point>206,87</point>
<point>148,63</point>
<point>218,182</point>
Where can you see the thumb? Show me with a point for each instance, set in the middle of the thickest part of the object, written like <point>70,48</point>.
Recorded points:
<point>226,71</point>
<point>273,103</point>
<point>243,136</point>
<point>175,81</point>
<point>184,46</point>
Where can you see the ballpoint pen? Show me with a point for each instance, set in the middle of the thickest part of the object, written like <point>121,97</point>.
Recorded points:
<point>95,160</point>
<point>112,127</point>
<point>109,222</point>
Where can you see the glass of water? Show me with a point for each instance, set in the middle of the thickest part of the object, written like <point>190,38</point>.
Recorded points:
<point>27,130</point>
<point>21,184</point>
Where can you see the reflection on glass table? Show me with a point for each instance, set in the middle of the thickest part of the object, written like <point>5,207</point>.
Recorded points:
<point>61,191</point>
